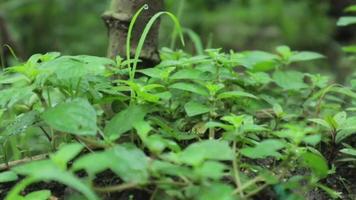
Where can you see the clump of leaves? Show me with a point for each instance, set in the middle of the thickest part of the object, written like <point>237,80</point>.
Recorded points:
<point>213,126</point>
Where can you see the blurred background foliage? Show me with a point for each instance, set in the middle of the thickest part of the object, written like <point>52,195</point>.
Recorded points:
<point>75,27</point>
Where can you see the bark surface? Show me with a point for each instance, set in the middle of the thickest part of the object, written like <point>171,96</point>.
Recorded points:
<point>117,19</point>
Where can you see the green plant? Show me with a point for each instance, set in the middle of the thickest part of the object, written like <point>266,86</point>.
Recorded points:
<point>218,125</point>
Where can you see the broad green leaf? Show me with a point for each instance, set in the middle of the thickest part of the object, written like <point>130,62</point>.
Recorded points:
<point>190,87</point>
<point>46,170</point>
<point>264,149</point>
<point>142,128</point>
<point>8,176</point>
<point>93,163</point>
<point>216,191</point>
<point>124,121</point>
<point>77,117</point>
<point>130,163</point>
<point>211,169</point>
<point>312,139</point>
<point>347,20</point>
<point>289,80</point>
<point>196,153</point>
<point>66,153</point>
<point>10,97</point>
<point>305,56</point>
<point>252,59</point>
<point>236,94</point>
<point>316,163</point>
<point>39,195</point>
<point>194,108</point>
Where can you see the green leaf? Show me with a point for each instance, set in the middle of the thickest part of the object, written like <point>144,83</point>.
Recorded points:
<point>66,153</point>
<point>189,87</point>
<point>194,108</point>
<point>346,129</point>
<point>253,59</point>
<point>211,169</point>
<point>345,21</point>
<point>312,139</point>
<point>77,117</point>
<point>216,191</point>
<point>38,195</point>
<point>285,52</point>
<point>196,153</point>
<point>267,148</point>
<point>321,122</point>
<point>349,49</point>
<point>349,151</point>
<point>46,170</point>
<point>130,163</point>
<point>8,176</point>
<point>290,80</point>
<point>21,123</point>
<point>316,163</point>
<point>124,121</point>
<point>189,74</point>
<point>305,56</point>
<point>351,8</point>
<point>93,163</point>
<point>236,94</point>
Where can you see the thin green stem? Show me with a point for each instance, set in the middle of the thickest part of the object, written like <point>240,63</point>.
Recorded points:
<point>236,171</point>
<point>116,188</point>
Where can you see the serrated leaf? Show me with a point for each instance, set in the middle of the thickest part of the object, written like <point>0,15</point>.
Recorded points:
<point>77,117</point>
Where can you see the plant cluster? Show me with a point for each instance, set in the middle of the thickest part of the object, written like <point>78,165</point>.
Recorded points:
<point>236,125</point>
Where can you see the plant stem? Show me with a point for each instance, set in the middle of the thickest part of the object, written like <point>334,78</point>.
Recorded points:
<point>257,190</point>
<point>9,165</point>
<point>236,171</point>
<point>248,184</point>
<point>116,188</point>
<point>46,134</point>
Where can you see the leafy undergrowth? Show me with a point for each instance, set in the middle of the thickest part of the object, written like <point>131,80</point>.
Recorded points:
<point>214,126</point>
